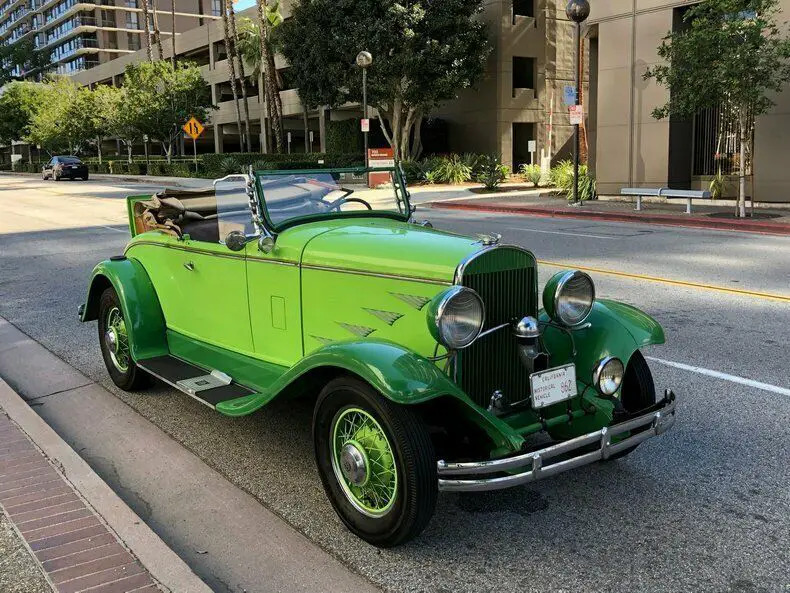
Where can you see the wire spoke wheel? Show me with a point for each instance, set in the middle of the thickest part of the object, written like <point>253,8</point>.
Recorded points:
<point>117,340</point>
<point>363,462</point>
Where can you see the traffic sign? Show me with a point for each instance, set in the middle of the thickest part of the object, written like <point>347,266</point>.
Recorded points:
<point>576,113</point>
<point>569,95</point>
<point>365,124</point>
<point>193,128</point>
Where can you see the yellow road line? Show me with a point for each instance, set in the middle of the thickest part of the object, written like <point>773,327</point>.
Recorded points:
<point>698,285</point>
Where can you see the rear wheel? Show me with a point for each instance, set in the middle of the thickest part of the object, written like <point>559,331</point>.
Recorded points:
<point>376,462</point>
<point>638,391</point>
<point>115,345</point>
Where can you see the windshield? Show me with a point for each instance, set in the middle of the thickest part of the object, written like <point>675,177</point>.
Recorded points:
<point>292,196</point>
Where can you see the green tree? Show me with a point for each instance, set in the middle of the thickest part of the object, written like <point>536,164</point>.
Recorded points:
<point>424,53</point>
<point>160,99</point>
<point>19,101</point>
<point>21,54</point>
<point>105,103</point>
<point>121,118</point>
<point>62,122</point>
<point>729,54</point>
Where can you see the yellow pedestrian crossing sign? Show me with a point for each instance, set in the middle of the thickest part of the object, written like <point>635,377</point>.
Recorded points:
<point>193,128</point>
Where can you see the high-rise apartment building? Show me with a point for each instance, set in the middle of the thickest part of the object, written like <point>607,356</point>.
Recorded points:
<point>80,34</point>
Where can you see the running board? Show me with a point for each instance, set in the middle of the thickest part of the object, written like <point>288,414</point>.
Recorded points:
<point>209,388</point>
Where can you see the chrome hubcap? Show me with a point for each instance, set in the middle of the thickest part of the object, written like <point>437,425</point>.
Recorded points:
<point>354,464</point>
<point>111,339</point>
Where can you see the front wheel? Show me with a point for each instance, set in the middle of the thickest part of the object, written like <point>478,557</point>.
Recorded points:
<point>638,391</point>
<point>376,462</point>
<point>115,345</point>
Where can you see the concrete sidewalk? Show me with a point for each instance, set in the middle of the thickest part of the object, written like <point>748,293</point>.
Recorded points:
<point>766,220</point>
<point>226,536</point>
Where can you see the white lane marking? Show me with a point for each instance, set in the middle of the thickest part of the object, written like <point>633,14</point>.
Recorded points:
<point>563,233</point>
<point>112,229</point>
<point>724,376</point>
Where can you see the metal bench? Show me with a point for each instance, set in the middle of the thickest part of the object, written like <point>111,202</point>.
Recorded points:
<point>665,192</point>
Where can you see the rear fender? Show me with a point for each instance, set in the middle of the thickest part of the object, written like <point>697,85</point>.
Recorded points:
<point>139,303</point>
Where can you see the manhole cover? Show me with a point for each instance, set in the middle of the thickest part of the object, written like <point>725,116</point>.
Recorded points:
<point>755,216</point>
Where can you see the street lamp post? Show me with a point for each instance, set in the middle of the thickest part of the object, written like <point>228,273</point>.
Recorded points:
<point>577,11</point>
<point>364,60</point>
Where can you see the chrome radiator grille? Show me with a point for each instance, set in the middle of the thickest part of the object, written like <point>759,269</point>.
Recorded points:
<point>506,280</point>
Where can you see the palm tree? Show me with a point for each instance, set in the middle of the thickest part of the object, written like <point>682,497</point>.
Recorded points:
<point>157,38</point>
<point>173,31</point>
<point>234,38</point>
<point>268,18</point>
<point>226,8</point>
<point>147,27</point>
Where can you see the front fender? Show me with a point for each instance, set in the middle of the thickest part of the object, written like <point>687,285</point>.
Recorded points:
<point>399,374</point>
<point>145,323</point>
<point>615,329</point>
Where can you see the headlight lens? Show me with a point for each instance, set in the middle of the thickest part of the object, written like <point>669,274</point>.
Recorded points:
<point>456,317</point>
<point>568,297</point>
<point>608,375</point>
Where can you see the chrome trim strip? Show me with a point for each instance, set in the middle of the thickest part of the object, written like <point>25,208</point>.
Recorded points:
<point>459,270</point>
<point>532,463</point>
<point>169,382</point>
<point>229,255</point>
<point>279,262</point>
<point>376,274</point>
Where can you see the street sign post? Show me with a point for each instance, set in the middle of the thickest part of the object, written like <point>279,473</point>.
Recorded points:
<point>289,142</point>
<point>194,129</point>
<point>532,147</point>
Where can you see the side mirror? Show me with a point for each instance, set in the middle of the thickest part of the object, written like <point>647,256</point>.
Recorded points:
<point>236,240</point>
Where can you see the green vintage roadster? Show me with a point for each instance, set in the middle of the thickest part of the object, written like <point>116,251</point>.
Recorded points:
<point>432,365</point>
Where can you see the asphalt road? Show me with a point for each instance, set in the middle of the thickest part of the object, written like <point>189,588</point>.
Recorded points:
<point>706,507</point>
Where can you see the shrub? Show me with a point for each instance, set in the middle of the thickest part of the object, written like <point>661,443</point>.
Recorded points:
<point>531,173</point>
<point>561,177</point>
<point>414,171</point>
<point>229,165</point>
<point>344,136</point>
<point>491,171</point>
<point>452,169</point>
<point>719,184</point>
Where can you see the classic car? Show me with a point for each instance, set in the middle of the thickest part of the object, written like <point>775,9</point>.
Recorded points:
<point>432,364</point>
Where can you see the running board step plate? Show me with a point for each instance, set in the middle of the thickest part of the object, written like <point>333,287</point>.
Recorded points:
<point>208,388</point>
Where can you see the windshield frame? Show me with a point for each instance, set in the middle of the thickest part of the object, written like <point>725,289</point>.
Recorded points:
<point>401,195</point>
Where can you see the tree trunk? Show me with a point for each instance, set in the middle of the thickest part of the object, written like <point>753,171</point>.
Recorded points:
<point>129,150</point>
<point>270,79</point>
<point>416,147</point>
<point>147,33</point>
<point>743,122</point>
<point>173,31</point>
<point>98,148</point>
<point>157,37</point>
<point>307,145</point>
<point>226,7</point>
<point>234,36</point>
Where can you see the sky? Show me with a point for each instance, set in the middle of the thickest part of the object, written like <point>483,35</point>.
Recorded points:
<point>243,5</point>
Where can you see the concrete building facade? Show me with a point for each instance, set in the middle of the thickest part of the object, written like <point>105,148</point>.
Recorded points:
<point>81,34</point>
<point>629,148</point>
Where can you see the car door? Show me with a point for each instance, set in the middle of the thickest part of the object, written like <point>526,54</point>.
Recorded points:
<point>50,166</point>
<point>201,284</point>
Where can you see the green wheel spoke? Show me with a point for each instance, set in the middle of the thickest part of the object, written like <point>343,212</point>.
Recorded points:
<point>373,488</point>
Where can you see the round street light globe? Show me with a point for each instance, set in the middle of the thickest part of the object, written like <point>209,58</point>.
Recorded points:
<point>577,10</point>
<point>364,59</point>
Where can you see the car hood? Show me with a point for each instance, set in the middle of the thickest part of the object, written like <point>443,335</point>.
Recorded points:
<point>390,247</point>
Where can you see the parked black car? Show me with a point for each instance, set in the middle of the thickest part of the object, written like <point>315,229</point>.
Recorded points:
<point>60,167</point>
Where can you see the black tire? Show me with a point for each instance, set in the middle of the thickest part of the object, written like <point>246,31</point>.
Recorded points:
<point>55,176</point>
<point>638,392</point>
<point>412,449</point>
<point>85,178</point>
<point>132,377</point>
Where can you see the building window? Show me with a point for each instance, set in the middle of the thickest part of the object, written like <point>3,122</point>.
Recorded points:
<point>133,41</point>
<point>523,73</point>
<point>523,8</point>
<point>132,20</point>
<point>216,7</point>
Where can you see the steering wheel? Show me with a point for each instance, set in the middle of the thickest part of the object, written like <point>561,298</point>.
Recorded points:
<point>344,200</point>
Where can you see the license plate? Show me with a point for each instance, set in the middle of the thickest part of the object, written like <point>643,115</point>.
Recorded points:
<point>552,386</point>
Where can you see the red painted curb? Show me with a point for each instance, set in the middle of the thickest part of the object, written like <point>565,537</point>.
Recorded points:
<point>771,228</point>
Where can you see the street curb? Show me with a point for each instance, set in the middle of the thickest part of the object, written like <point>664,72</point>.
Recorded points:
<point>144,179</point>
<point>164,565</point>
<point>766,228</point>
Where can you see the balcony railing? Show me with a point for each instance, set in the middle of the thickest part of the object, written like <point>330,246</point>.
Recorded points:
<point>80,21</point>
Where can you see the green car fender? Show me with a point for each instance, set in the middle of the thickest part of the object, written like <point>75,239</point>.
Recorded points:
<point>400,375</point>
<point>612,329</point>
<point>139,303</point>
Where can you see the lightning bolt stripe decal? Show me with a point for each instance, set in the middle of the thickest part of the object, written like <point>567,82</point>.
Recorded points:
<point>388,317</point>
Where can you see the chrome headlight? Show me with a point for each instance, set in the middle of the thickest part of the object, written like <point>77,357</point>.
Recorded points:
<point>456,317</point>
<point>568,297</point>
<point>608,375</point>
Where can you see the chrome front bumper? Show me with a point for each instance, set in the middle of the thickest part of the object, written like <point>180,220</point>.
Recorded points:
<point>537,465</point>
